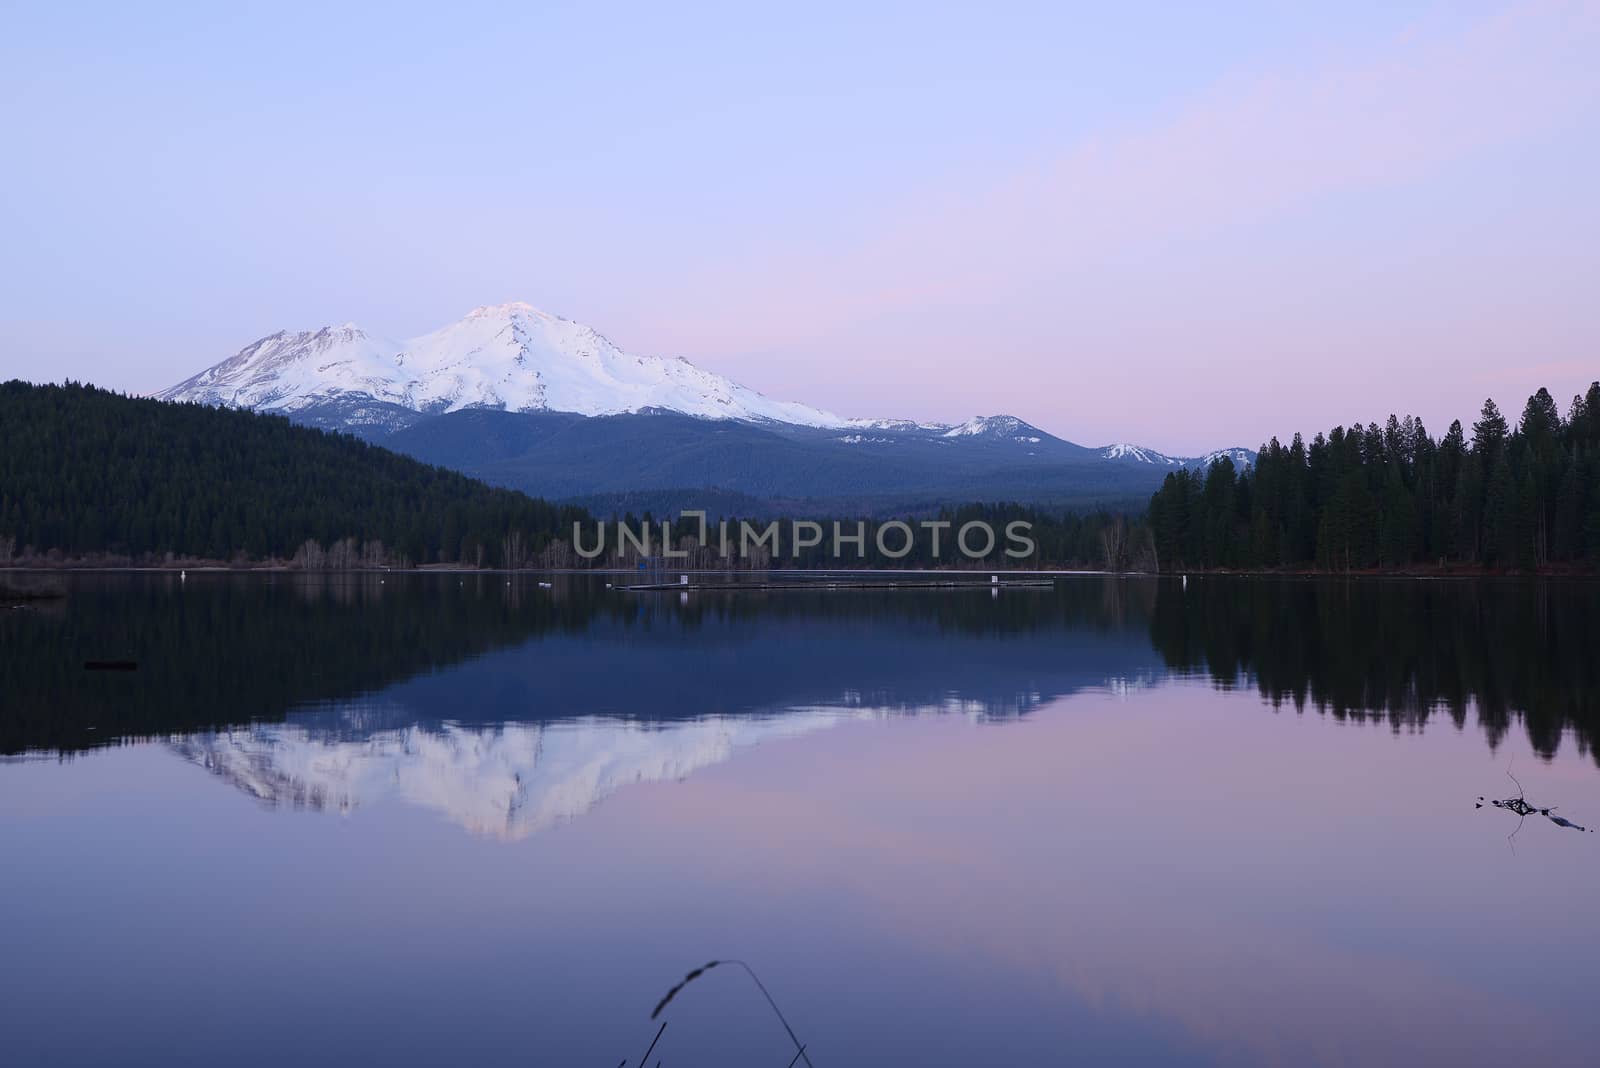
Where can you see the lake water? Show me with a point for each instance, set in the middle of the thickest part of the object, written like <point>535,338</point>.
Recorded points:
<point>435,820</point>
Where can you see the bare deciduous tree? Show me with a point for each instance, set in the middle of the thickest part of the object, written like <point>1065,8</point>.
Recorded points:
<point>1112,539</point>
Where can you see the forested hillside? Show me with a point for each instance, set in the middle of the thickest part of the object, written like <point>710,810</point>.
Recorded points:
<point>90,475</point>
<point>86,472</point>
<point>1505,497</point>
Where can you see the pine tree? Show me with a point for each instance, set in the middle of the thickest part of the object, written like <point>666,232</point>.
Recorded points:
<point>1526,524</point>
<point>1589,435</point>
<point>1499,530</point>
<point>1522,497</point>
<point>1541,422</point>
<point>1489,432</point>
<point>1569,516</point>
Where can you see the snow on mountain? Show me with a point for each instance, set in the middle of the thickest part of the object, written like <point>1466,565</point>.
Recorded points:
<point>285,371</point>
<point>514,357</point>
<point>506,356</point>
<point>506,781</point>
<point>900,426</point>
<point>1240,456</point>
<point>514,779</point>
<point>1125,451</point>
<point>997,427</point>
<point>990,426</point>
<point>982,427</point>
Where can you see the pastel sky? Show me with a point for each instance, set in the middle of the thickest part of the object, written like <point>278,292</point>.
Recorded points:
<point>1186,225</point>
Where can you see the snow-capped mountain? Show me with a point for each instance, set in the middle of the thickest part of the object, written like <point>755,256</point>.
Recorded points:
<point>508,781</point>
<point>511,357</point>
<point>522,398</point>
<point>1241,456</point>
<point>513,779</point>
<point>514,357</point>
<point>1000,427</point>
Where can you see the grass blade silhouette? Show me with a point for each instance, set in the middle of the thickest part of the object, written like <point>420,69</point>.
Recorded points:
<point>800,1049</point>
<point>646,1058</point>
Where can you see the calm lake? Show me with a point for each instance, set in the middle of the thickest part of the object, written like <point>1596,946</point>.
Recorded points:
<point>446,820</point>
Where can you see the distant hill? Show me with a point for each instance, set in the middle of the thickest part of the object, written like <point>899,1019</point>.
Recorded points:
<point>678,461</point>
<point>84,471</point>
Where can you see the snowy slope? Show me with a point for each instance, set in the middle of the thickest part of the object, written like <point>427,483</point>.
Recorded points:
<point>286,371</point>
<point>1125,451</point>
<point>516,358</point>
<point>1138,454</point>
<point>507,356</point>
<point>508,781</point>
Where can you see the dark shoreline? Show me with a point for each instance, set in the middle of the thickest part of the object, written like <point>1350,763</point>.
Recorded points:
<point>1395,572</point>
<point>280,567</point>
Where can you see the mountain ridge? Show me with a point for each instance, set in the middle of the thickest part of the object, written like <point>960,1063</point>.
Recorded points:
<point>526,399</point>
<point>512,357</point>
<point>430,375</point>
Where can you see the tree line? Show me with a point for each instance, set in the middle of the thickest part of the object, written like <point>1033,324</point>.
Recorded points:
<point>1403,653</point>
<point>86,472</point>
<point>92,476</point>
<point>219,650</point>
<point>1504,497</point>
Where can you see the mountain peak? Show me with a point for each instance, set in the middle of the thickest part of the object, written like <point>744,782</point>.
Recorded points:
<point>343,331</point>
<point>515,357</point>
<point>511,356</point>
<point>508,309</point>
<point>996,426</point>
<point>1139,454</point>
<point>1124,450</point>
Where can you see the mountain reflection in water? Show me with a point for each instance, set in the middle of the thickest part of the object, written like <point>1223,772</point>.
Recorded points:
<point>512,708</point>
<point>1120,821</point>
<point>506,781</point>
